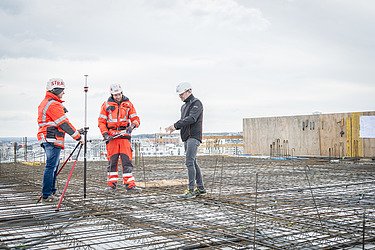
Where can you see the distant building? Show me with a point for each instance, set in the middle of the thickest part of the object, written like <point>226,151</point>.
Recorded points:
<point>334,135</point>
<point>222,144</point>
<point>161,146</point>
<point>171,145</point>
<point>158,144</point>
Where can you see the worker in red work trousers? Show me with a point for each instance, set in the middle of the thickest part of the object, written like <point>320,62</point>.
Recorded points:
<point>116,122</point>
<point>53,125</point>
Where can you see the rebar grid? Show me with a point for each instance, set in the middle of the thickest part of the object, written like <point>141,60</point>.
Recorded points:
<point>252,204</point>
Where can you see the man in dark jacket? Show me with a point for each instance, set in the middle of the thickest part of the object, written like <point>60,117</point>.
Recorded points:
<point>190,126</point>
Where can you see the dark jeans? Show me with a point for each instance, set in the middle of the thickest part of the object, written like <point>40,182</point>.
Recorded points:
<point>194,171</point>
<point>52,163</point>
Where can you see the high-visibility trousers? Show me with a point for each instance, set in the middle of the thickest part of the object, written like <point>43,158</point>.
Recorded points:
<point>120,148</point>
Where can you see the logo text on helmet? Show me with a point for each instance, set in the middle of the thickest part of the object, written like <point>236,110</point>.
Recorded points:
<point>57,84</point>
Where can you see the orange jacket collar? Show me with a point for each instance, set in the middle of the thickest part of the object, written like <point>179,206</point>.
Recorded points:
<point>53,96</point>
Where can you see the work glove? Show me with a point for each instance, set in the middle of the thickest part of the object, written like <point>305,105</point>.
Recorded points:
<point>106,137</point>
<point>81,131</point>
<point>82,140</point>
<point>130,128</point>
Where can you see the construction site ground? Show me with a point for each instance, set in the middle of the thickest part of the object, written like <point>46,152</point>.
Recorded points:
<point>250,204</point>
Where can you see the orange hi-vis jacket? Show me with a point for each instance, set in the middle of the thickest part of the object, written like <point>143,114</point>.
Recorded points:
<point>115,117</point>
<point>53,124</point>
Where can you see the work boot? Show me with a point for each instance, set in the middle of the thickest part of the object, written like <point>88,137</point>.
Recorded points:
<point>200,192</point>
<point>50,199</point>
<point>134,189</point>
<point>188,195</point>
<point>110,189</point>
<point>57,193</point>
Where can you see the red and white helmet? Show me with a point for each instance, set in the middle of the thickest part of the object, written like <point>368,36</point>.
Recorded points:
<point>115,89</point>
<point>55,83</point>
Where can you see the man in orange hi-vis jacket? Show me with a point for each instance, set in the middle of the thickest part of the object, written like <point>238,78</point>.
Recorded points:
<point>53,125</point>
<point>116,121</point>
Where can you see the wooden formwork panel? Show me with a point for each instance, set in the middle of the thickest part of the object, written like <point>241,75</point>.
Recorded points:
<point>334,135</point>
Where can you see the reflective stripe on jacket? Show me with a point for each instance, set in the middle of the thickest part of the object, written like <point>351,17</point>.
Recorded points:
<point>53,123</point>
<point>115,117</point>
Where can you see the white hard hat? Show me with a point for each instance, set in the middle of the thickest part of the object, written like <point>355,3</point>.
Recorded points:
<point>115,88</point>
<point>182,87</point>
<point>55,83</point>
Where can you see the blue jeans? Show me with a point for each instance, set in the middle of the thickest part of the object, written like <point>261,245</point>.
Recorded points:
<point>194,172</point>
<point>50,171</point>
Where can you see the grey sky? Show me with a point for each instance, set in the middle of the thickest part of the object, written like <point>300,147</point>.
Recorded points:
<point>243,58</point>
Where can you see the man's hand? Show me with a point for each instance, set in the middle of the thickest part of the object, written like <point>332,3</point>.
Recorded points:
<point>130,128</point>
<point>170,129</point>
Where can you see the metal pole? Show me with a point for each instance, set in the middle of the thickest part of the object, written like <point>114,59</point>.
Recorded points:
<point>255,210</point>
<point>144,170</point>
<point>86,89</point>
<point>15,151</point>
<point>307,168</point>
<point>363,229</point>
<point>221,175</point>
<point>137,153</point>
<point>25,149</point>
<point>363,221</point>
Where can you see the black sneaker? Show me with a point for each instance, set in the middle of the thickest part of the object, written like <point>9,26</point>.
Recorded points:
<point>200,192</point>
<point>188,195</point>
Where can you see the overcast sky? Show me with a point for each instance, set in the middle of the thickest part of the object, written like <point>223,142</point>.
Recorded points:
<point>244,58</point>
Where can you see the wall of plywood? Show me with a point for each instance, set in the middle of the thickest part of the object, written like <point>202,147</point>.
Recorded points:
<point>335,135</point>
